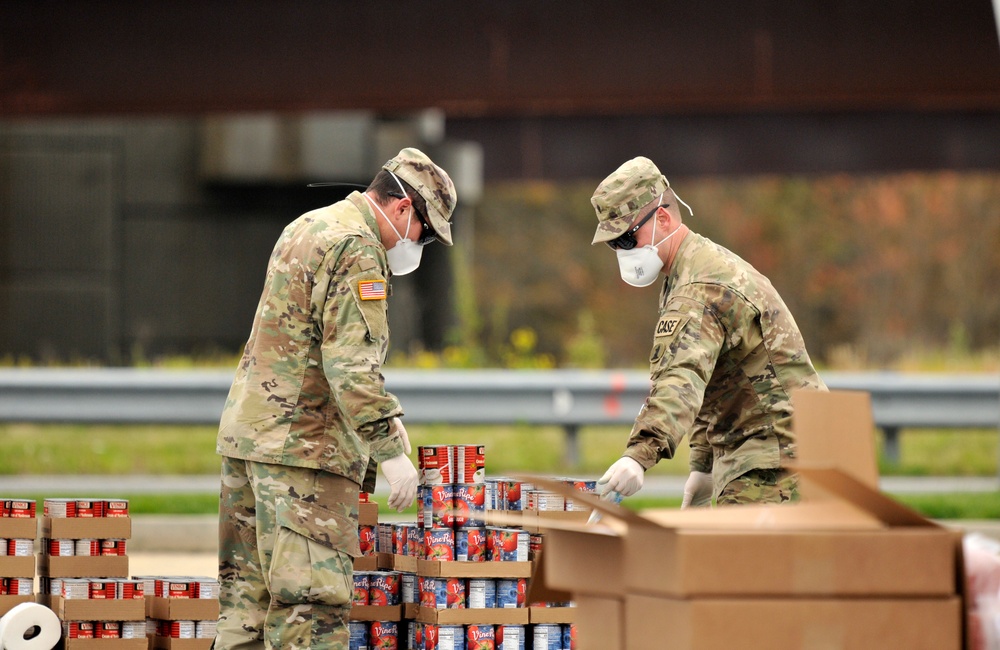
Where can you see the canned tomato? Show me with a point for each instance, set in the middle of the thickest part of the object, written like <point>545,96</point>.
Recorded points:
<point>62,547</point>
<point>414,541</point>
<point>19,586</point>
<point>408,591</point>
<point>107,630</point>
<point>205,629</point>
<point>359,635</point>
<point>366,539</point>
<point>181,629</point>
<point>515,492</point>
<point>177,589</point>
<point>511,592</point>
<point>469,463</point>
<point>134,629</point>
<point>112,547</point>
<point>480,637</point>
<point>508,544</point>
<point>439,544</point>
<point>116,508</point>
<point>360,588</point>
<point>470,545</point>
<point>399,541</point>
<point>569,635</point>
<point>75,588</point>
<point>547,637</point>
<point>384,634</point>
<point>78,629</point>
<point>383,588</point>
<point>436,465</point>
<point>492,503</point>
<point>208,588</point>
<point>383,538</point>
<point>3,546</point>
<point>535,541</point>
<point>363,497</point>
<point>59,508</point>
<point>102,590</point>
<point>52,586</point>
<point>20,547</point>
<point>88,508</point>
<point>444,637</point>
<point>443,593</point>
<point>510,637</point>
<point>469,505</point>
<point>87,547</point>
<point>482,593</point>
<point>441,499</point>
<point>131,589</point>
<point>19,508</point>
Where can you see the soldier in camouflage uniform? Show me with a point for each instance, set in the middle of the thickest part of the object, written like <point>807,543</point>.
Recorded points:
<point>308,418</point>
<point>726,352</point>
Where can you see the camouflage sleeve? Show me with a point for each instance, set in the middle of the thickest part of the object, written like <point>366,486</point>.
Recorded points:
<point>701,451</point>
<point>687,342</point>
<point>355,338</point>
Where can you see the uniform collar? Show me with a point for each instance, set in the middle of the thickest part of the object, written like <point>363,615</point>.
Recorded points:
<point>359,201</point>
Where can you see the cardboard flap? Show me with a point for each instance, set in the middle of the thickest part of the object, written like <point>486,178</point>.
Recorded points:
<point>592,500</point>
<point>539,591</point>
<point>856,492</point>
<point>836,428</point>
<point>827,515</point>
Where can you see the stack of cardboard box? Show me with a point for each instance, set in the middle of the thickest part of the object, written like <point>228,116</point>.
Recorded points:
<point>845,568</point>
<point>12,530</point>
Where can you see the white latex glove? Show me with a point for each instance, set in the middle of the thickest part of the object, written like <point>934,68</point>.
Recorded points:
<point>697,490</point>
<point>624,476</point>
<point>402,434</point>
<point>402,477</point>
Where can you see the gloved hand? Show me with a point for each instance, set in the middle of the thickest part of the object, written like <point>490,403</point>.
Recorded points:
<point>624,476</point>
<point>402,477</point>
<point>398,424</point>
<point>697,490</point>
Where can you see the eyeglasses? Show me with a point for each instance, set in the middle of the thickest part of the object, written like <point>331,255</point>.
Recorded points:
<point>626,241</point>
<point>427,234</point>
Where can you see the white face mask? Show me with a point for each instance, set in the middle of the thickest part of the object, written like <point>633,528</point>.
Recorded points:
<point>640,266</point>
<point>404,257</point>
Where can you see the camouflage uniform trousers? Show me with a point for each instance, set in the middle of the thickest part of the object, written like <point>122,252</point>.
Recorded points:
<point>761,486</point>
<point>287,538</point>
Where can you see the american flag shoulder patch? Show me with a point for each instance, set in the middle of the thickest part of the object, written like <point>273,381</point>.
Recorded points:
<point>371,289</point>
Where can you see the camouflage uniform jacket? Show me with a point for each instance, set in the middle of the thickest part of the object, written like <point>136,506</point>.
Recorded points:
<point>309,391</point>
<point>726,354</point>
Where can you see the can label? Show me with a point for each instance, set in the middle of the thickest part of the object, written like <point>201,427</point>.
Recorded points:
<point>88,508</point>
<point>3,546</point>
<point>62,547</point>
<point>360,588</point>
<point>510,637</point>
<point>470,545</point>
<point>515,492</point>
<point>20,547</point>
<point>384,634</point>
<point>75,588</point>
<point>133,629</point>
<point>383,588</point>
<point>443,593</point>
<point>444,637</point>
<point>359,635</point>
<point>569,635</point>
<point>480,637</point>
<point>131,589</point>
<point>112,547</point>
<point>102,590</point>
<point>511,592</point>
<point>469,505</point>
<point>181,629</point>
<point>207,588</point>
<point>436,465</point>
<point>482,593</point>
<point>366,539</point>
<point>547,637</point>
<point>79,629</point>
<point>441,499</point>
<point>205,629</point>
<point>178,590</point>
<point>19,508</point>
<point>19,586</point>
<point>108,630</point>
<point>59,508</point>
<point>399,538</point>
<point>508,545</point>
<point>408,592</point>
<point>414,541</point>
<point>116,508</point>
<point>87,547</point>
<point>469,462</point>
<point>439,544</point>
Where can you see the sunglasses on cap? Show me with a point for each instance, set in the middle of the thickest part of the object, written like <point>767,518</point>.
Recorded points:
<point>426,232</point>
<point>626,241</point>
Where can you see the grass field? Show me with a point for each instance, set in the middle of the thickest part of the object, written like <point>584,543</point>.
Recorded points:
<point>115,450</point>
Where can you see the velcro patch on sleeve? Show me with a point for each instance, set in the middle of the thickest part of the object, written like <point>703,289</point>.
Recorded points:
<point>670,324</point>
<point>372,289</point>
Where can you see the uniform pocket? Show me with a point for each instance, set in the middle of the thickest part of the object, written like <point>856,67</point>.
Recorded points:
<point>370,292</point>
<point>312,559</point>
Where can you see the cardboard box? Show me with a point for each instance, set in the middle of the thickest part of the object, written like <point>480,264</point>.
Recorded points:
<point>87,528</point>
<point>492,616</point>
<point>113,609</point>
<point>793,623</point>
<point>552,615</point>
<point>100,566</point>
<point>20,566</point>
<point>168,643</point>
<point>368,514</point>
<point>366,563</point>
<point>182,609</point>
<point>407,563</point>
<point>18,528</point>
<point>104,644</point>
<point>8,602</point>
<point>437,568</point>
<point>377,613</point>
<point>600,623</point>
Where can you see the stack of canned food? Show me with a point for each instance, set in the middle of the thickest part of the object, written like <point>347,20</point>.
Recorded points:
<point>104,629</point>
<point>428,636</point>
<point>203,621</point>
<point>14,543</point>
<point>503,493</point>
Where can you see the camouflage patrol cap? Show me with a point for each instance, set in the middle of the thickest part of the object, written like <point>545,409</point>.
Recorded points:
<point>432,183</point>
<point>619,196</point>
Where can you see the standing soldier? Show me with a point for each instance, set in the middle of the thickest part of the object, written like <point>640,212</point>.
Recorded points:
<point>308,418</point>
<point>726,352</point>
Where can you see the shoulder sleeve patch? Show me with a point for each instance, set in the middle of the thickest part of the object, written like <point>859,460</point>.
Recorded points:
<point>670,324</point>
<point>372,289</point>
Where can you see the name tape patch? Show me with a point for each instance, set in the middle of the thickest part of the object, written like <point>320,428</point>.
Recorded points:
<point>372,289</point>
<point>668,325</point>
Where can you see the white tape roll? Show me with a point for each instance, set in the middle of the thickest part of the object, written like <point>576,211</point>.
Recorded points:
<point>29,626</point>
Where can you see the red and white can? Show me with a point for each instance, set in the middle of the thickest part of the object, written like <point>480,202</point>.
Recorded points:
<point>62,547</point>
<point>112,547</point>
<point>102,590</point>
<point>181,629</point>
<point>469,462</point>
<point>89,508</point>
<point>19,508</point>
<point>20,547</point>
<point>116,508</point>
<point>108,630</point>
<point>436,465</point>
<point>59,508</point>
<point>205,629</point>
<point>19,586</point>
<point>363,497</point>
<point>207,588</point>
<point>78,629</point>
<point>4,507</point>
<point>178,589</point>
<point>3,546</point>
<point>366,539</point>
<point>87,547</point>
<point>131,589</point>
<point>134,629</point>
<point>76,588</point>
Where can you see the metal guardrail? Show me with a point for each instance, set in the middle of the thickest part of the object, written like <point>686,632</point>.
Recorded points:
<point>569,398</point>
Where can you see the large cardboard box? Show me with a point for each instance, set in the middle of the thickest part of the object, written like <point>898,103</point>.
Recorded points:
<point>18,528</point>
<point>845,544</point>
<point>17,566</point>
